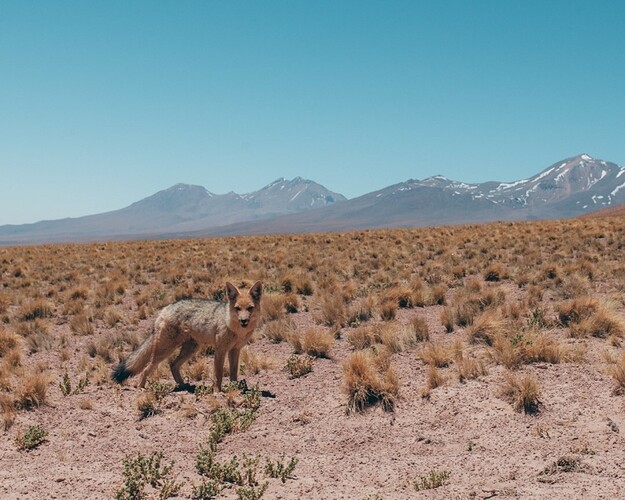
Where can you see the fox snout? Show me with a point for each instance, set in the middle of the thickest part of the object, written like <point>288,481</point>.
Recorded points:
<point>244,322</point>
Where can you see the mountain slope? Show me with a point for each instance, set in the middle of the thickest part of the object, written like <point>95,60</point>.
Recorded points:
<point>571,187</point>
<point>179,208</point>
<point>568,188</point>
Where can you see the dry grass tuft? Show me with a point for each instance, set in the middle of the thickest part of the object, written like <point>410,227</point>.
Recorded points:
<point>576,310</point>
<point>469,367</point>
<point>602,324</point>
<point>363,337</point>
<point>486,328</point>
<point>585,317</point>
<point>81,324</point>
<point>253,362</point>
<point>420,329</point>
<point>529,346</point>
<point>7,405</point>
<point>495,272</point>
<point>147,405</point>
<point>522,392</point>
<point>273,307</point>
<point>368,380</point>
<point>32,391</point>
<point>332,310</point>
<point>112,317</point>
<point>388,310</point>
<point>361,311</point>
<point>434,379</point>
<point>395,337</point>
<point>617,371</point>
<point>38,308</point>
<point>314,341</point>
<point>448,319</point>
<point>9,341</point>
<point>437,355</point>
<point>280,330</point>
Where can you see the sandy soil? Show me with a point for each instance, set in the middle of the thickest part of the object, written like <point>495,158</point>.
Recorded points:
<point>467,429</point>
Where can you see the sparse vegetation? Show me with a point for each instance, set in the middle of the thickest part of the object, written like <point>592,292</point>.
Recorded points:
<point>446,309</point>
<point>298,366</point>
<point>280,469</point>
<point>141,472</point>
<point>31,438</point>
<point>434,479</point>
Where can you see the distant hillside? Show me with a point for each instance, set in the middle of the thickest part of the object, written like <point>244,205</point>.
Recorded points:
<point>568,188</point>
<point>617,211</point>
<point>179,208</point>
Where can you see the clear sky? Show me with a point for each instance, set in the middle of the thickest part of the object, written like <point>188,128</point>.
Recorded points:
<point>105,102</point>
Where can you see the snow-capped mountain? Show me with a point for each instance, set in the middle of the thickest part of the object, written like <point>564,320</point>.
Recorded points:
<point>296,195</point>
<point>593,184</point>
<point>568,188</point>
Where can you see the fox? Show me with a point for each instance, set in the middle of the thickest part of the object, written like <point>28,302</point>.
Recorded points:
<point>191,324</point>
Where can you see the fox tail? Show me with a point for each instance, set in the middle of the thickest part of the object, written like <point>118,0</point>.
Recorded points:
<point>135,363</point>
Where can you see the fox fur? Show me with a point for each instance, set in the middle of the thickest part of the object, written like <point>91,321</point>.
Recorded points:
<point>193,324</point>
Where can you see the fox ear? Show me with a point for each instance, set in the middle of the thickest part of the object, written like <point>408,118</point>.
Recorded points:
<point>256,291</point>
<point>232,291</point>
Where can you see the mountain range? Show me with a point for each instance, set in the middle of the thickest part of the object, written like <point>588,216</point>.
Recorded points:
<point>568,188</point>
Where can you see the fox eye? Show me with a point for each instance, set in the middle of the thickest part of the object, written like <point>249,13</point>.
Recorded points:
<point>237,308</point>
<point>250,308</point>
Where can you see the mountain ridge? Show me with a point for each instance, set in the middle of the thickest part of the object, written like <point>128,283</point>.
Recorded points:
<point>574,186</point>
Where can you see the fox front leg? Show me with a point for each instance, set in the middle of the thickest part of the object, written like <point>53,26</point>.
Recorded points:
<point>220,359</point>
<point>233,361</point>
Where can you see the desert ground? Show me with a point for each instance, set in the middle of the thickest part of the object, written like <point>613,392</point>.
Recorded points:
<point>480,361</point>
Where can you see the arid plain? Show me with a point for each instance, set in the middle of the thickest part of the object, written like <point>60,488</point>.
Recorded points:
<point>472,361</point>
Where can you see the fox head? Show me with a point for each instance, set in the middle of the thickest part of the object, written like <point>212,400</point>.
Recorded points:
<point>244,307</point>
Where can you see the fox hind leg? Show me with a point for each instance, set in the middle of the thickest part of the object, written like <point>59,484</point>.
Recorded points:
<point>157,355</point>
<point>188,349</point>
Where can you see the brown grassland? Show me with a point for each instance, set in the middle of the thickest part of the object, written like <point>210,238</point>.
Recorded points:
<point>450,362</point>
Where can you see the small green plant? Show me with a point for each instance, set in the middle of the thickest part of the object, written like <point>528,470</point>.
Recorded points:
<point>432,480</point>
<point>228,420</point>
<point>66,384</point>
<point>202,390</point>
<point>251,398</point>
<point>298,366</point>
<point>160,389</point>
<point>227,472</point>
<point>233,471</point>
<point>536,319</point>
<point>223,423</point>
<point>280,469</point>
<point>142,471</point>
<point>252,492</point>
<point>206,490</point>
<point>563,464</point>
<point>82,383</point>
<point>33,437</point>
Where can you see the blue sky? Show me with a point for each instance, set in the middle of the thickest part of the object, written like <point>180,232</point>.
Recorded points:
<point>103,103</point>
